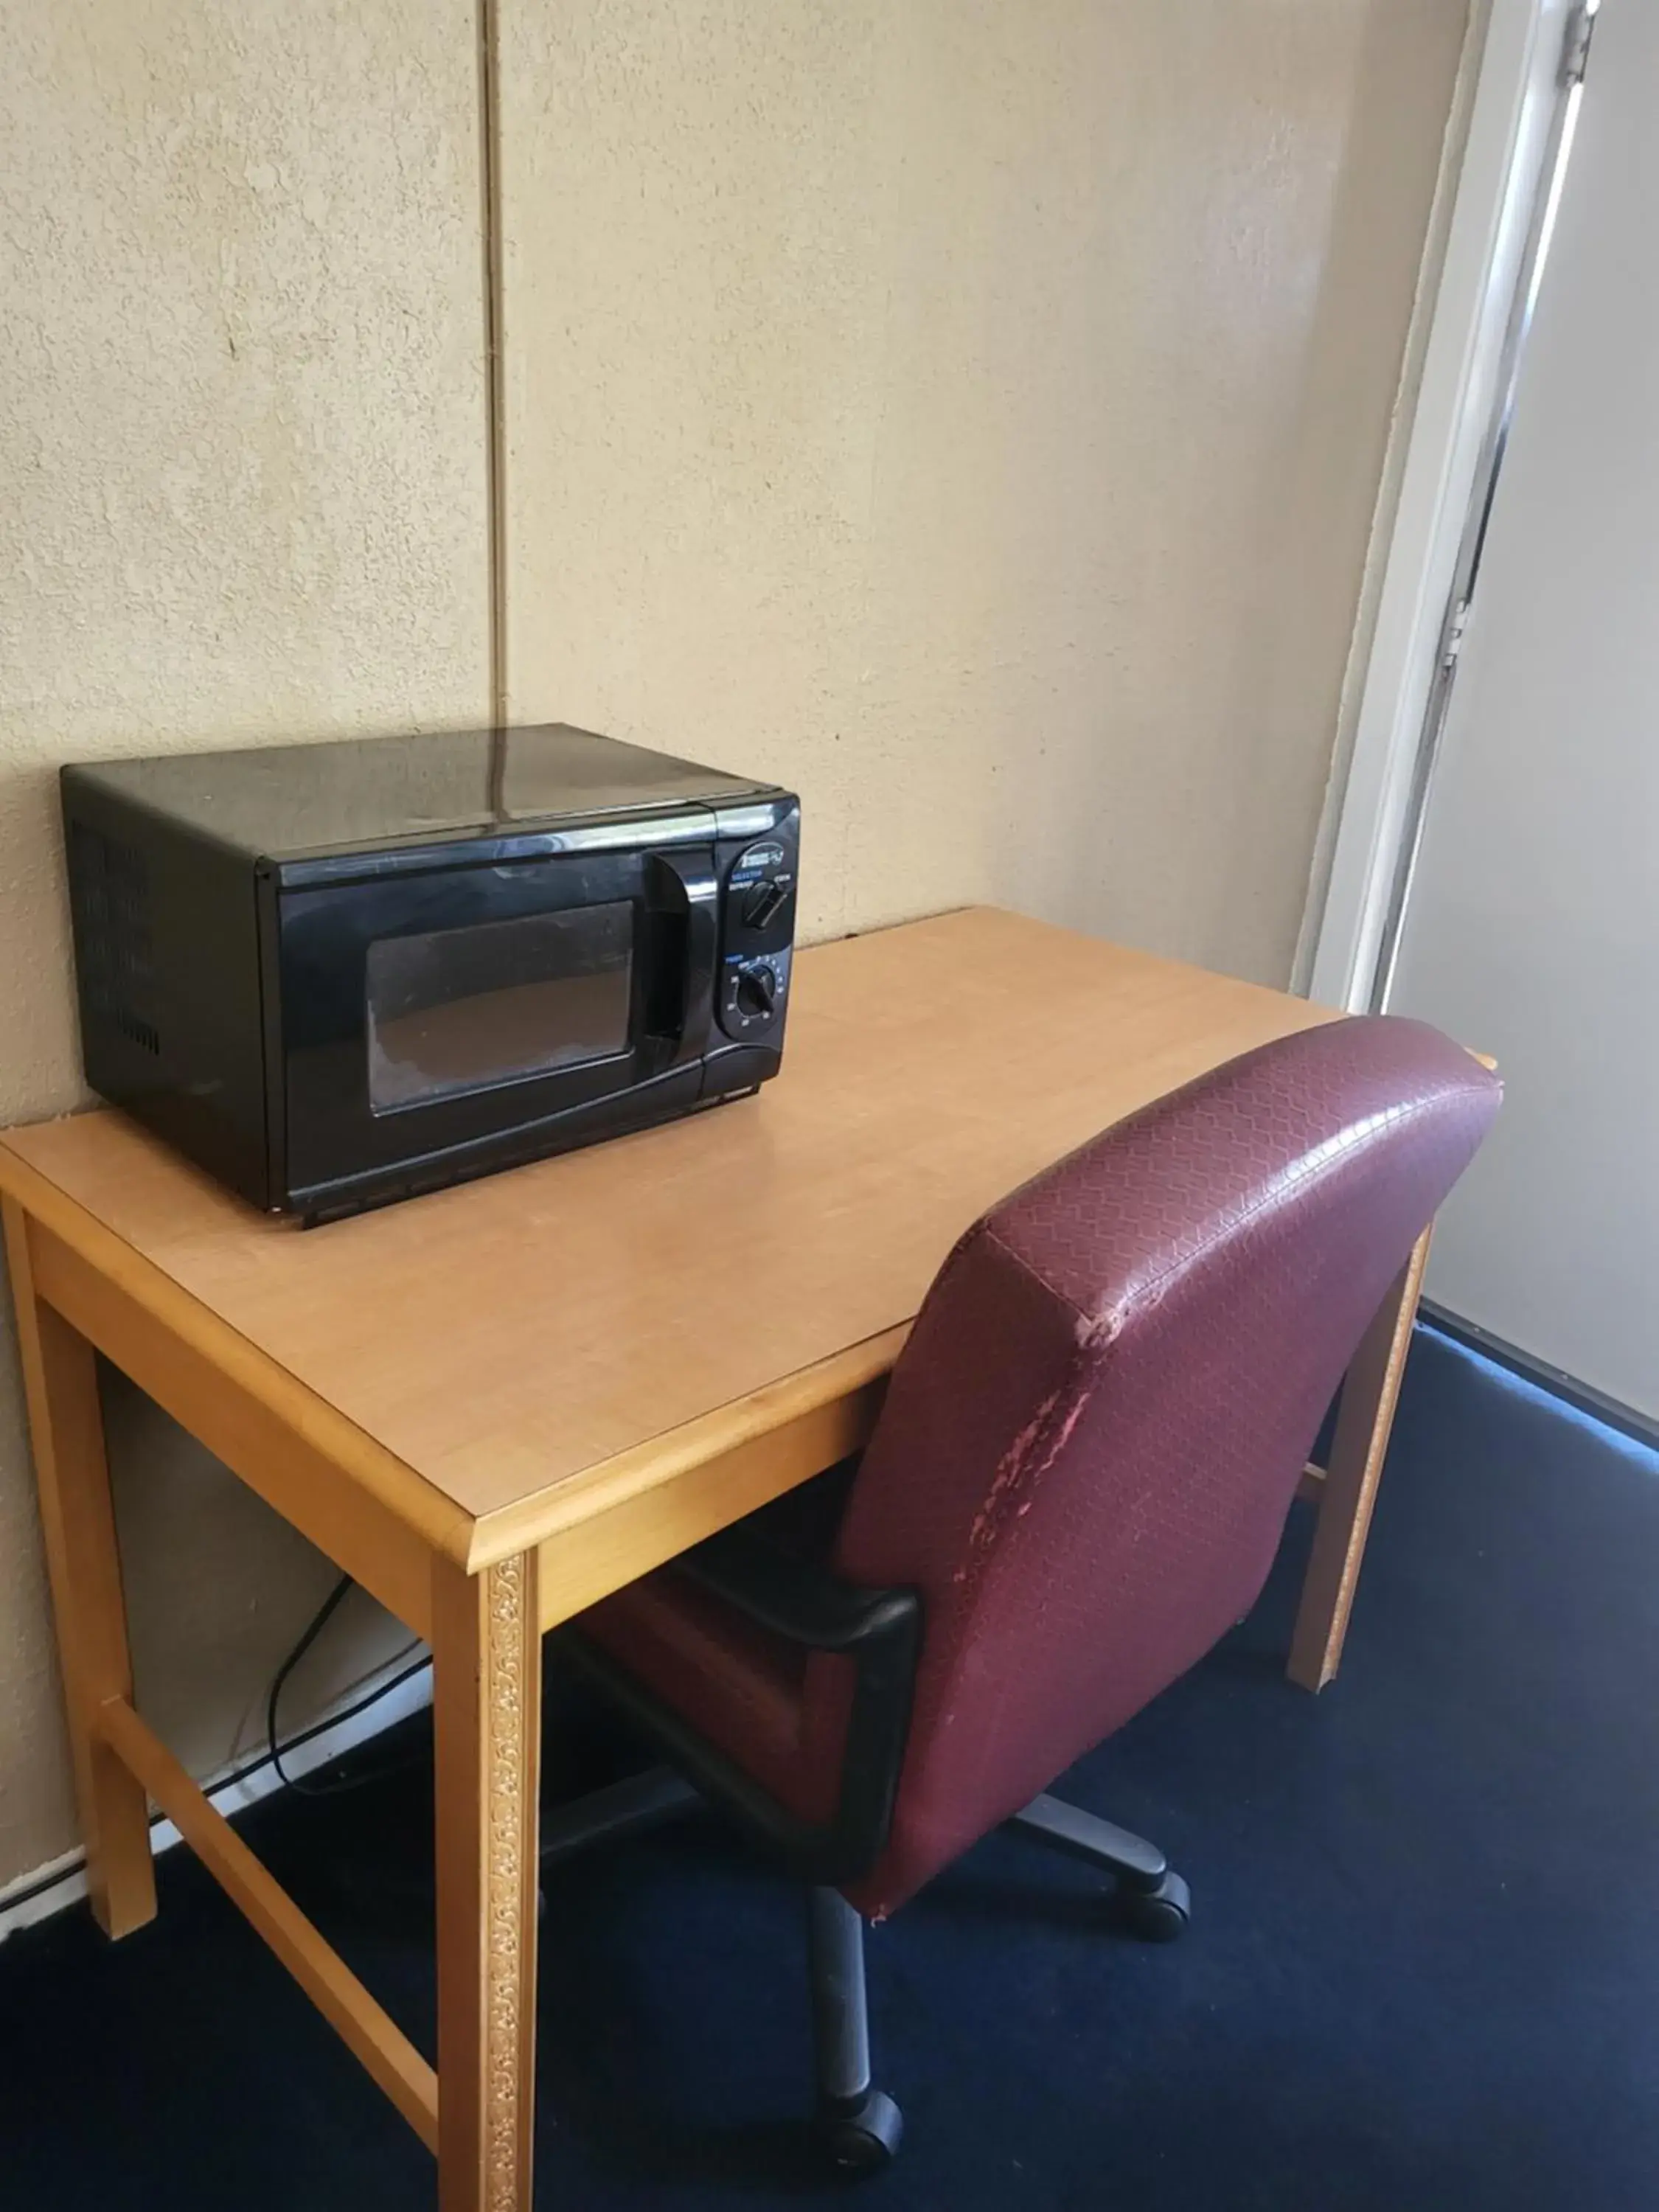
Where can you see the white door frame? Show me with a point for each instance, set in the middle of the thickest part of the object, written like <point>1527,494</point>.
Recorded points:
<point>1499,182</point>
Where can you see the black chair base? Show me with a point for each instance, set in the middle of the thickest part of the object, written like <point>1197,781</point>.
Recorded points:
<point>1152,1900</point>
<point>859,2125</point>
<point>629,1808</point>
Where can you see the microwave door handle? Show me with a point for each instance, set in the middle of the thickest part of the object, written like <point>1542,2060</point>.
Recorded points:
<point>691,889</point>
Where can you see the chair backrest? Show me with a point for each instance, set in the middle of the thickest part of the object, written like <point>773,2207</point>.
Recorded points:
<point>1093,1437</point>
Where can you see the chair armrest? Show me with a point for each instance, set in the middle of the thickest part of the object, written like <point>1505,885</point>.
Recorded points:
<point>796,1599</point>
<point>877,1632</point>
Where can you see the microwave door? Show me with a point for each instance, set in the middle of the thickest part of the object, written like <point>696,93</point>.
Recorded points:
<point>454,1010</point>
<point>465,1008</point>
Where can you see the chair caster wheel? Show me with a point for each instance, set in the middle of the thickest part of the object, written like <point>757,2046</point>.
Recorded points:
<point>1156,1915</point>
<point>864,2139</point>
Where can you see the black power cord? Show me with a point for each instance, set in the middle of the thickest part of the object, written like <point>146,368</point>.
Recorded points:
<point>342,1784</point>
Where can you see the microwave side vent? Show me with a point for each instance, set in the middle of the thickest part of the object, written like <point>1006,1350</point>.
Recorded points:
<point>167,959</point>
<point>115,933</point>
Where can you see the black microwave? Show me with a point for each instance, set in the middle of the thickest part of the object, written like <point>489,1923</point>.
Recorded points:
<point>339,974</point>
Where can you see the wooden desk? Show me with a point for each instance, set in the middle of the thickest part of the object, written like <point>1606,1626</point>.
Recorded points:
<point>494,1405</point>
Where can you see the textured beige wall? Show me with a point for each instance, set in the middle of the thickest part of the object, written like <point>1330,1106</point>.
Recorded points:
<point>971,411</point>
<point>241,453</point>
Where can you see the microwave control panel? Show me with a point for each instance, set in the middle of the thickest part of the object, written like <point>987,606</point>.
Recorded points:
<point>757,936</point>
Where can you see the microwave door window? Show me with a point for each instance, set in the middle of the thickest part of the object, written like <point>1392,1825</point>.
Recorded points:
<point>460,1010</point>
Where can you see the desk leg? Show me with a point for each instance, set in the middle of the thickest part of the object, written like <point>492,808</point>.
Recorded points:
<point>486,1650</point>
<point>66,1427</point>
<point>1364,1417</point>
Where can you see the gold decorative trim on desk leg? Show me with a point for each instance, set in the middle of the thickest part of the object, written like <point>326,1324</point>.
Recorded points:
<point>487,1696</point>
<point>514,1650</point>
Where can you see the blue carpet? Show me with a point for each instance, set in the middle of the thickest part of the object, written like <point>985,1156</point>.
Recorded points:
<point>1423,1971</point>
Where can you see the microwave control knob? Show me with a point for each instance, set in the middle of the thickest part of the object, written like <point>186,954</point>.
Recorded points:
<point>761,903</point>
<point>757,991</point>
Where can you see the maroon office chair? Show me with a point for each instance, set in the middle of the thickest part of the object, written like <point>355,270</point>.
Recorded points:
<point>1076,1487</point>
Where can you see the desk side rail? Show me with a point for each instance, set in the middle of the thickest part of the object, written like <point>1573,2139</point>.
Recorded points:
<point>367,2028</point>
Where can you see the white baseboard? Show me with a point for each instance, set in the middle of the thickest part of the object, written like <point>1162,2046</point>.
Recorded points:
<point>48,1889</point>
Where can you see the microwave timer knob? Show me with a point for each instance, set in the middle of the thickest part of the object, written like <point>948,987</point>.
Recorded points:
<point>757,991</point>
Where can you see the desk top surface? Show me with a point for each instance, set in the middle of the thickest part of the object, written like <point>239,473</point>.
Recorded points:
<point>646,1301</point>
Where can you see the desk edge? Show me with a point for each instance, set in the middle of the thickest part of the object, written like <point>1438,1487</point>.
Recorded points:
<point>571,1499</point>
<point>405,1492</point>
